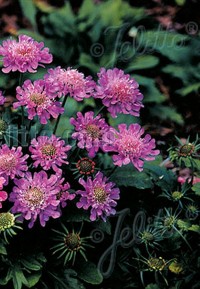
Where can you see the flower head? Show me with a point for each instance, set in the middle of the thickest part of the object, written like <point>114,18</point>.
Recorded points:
<point>68,244</point>
<point>38,102</point>
<point>2,98</point>
<point>85,166</point>
<point>99,195</point>
<point>49,152</point>
<point>24,55</point>
<point>130,146</point>
<point>119,92</point>
<point>36,196</point>
<point>89,131</point>
<point>70,81</point>
<point>3,197</point>
<point>12,162</point>
<point>64,195</point>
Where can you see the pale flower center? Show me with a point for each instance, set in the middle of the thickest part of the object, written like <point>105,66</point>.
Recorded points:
<point>93,131</point>
<point>100,195</point>
<point>34,197</point>
<point>48,150</point>
<point>38,98</point>
<point>74,79</point>
<point>7,162</point>
<point>130,146</point>
<point>122,91</point>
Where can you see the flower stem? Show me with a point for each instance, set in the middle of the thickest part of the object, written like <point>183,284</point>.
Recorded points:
<point>58,119</point>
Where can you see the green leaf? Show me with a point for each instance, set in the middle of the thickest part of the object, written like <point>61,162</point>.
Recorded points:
<point>167,113</point>
<point>33,279</point>
<point>195,228</point>
<point>152,286</point>
<point>2,249</point>
<point>129,177</point>
<point>178,71</point>
<point>103,226</point>
<point>142,62</point>
<point>18,277</point>
<point>160,175</point>
<point>196,189</point>
<point>85,60</point>
<point>183,225</point>
<point>189,89</point>
<point>149,89</point>
<point>29,10</point>
<point>180,2</point>
<point>169,44</point>
<point>88,272</point>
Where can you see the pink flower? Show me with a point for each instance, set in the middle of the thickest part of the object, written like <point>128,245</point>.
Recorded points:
<point>182,180</point>
<point>36,196</point>
<point>24,55</point>
<point>129,146</point>
<point>64,195</point>
<point>3,197</point>
<point>2,98</point>
<point>35,98</point>
<point>119,92</point>
<point>12,162</point>
<point>2,182</point>
<point>71,82</point>
<point>89,131</point>
<point>99,195</point>
<point>49,152</point>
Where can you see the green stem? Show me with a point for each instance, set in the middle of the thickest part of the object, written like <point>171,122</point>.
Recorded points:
<point>58,119</point>
<point>99,110</point>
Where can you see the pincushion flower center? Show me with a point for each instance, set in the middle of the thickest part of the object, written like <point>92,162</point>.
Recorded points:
<point>7,162</point>
<point>130,146</point>
<point>38,98</point>
<point>72,241</point>
<point>34,197</point>
<point>93,131</point>
<point>121,91</point>
<point>100,195</point>
<point>7,220</point>
<point>24,50</point>
<point>48,150</point>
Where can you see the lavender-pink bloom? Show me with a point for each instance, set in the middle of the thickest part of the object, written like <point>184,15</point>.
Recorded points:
<point>119,92</point>
<point>89,131</point>
<point>35,98</point>
<point>24,55</point>
<point>64,194</point>
<point>2,98</point>
<point>36,196</point>
<point>99,195</point>
<point>49,152</point>
<point>12,162</point>
<point>129,146</point>
<point>70,81</point>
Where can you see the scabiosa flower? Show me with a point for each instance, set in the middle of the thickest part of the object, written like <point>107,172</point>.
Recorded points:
<point>99,195</point>
<point>119,92</point>
<point>71,82</point>
<point>64,195</point>
<point>89,131</point>
<point>12,162</point>
<point>38,102</point>
<point>2,98</point>
<point>129,146</point>
<point>36,196</point>
<point>3,197</point>
<point>24,55</point>
<point>49,152</point>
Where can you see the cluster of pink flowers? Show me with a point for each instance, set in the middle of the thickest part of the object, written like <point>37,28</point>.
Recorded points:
<point>39,186</point>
